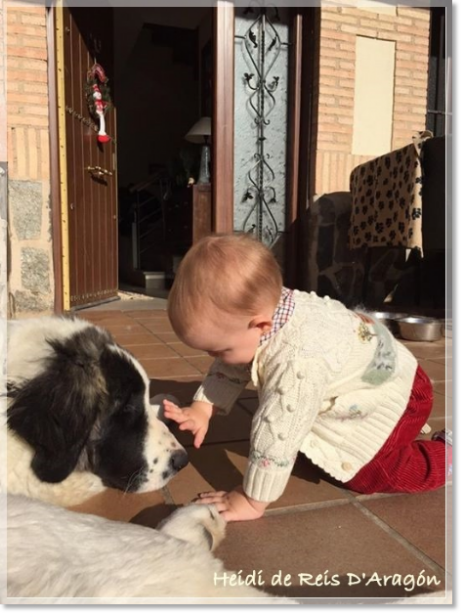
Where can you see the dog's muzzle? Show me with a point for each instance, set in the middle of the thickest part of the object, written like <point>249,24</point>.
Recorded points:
<point>178,461</point>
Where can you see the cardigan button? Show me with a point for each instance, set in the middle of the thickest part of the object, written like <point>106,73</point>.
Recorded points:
<point>290,408</point>
<point>300,375</point>
<point>346,466</point>
<point>269,418</point>
<point>280,391</point>
<point>281,436</point>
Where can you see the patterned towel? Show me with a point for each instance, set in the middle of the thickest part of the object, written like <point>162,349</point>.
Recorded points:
<point>386,199</point>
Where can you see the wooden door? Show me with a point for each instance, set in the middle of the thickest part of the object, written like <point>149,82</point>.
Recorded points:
<point>91,165</point>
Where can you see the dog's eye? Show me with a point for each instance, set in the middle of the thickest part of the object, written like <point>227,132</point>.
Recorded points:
<point>128,408</point>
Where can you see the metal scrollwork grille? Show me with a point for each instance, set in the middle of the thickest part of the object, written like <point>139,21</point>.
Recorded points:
<point>261,45</point>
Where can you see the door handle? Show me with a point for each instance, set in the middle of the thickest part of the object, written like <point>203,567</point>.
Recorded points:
<point>98,171</point>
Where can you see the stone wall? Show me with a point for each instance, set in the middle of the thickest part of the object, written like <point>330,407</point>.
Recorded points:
<point>339,272</point>
<point>30,275</point>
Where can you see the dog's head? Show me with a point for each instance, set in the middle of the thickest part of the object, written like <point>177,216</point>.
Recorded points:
<point>82,403</point>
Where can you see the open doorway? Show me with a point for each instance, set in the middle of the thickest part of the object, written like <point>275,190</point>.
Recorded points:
<point>163,84</point>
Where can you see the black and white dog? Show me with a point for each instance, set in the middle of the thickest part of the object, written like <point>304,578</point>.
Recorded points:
<point>79,419</point>
<point>79,415</point>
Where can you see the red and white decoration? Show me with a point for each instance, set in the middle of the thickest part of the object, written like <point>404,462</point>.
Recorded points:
<point>100,111</point>
<point>98,98</point>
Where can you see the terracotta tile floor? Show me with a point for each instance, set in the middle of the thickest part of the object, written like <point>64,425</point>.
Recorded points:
<point>317,527</point>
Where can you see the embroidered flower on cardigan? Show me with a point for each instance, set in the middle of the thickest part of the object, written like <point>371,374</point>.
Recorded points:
<point>265,461</point>
<point>364,333</point>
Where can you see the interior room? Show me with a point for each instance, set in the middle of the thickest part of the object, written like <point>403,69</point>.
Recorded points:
<point>162,88</point>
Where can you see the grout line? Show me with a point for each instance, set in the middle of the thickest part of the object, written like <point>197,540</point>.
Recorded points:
<point>410,547</point>
<point>296,508</point>
<point>167,496</point>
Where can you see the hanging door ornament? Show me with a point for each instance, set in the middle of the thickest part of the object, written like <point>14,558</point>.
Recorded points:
<point>98,98</point>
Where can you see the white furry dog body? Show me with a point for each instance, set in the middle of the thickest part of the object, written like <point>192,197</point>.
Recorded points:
<point>53,552</point>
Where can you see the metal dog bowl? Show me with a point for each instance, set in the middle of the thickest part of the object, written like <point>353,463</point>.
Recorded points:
<point>420,328</point>
<point>389,319</point>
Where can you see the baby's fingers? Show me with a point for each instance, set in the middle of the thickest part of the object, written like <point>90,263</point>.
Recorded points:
<point>170,406</point>
<point>186,424</point>
<point>175,416</point>
<point>199,437</point>
<point>228,515</point>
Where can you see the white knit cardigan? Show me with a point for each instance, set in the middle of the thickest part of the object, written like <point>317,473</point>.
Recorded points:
<point>330,385</point>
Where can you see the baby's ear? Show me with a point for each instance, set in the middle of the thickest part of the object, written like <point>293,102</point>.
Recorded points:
<point>261,322</point>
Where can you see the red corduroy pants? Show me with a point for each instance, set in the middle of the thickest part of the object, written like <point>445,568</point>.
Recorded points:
<point>404,464</point>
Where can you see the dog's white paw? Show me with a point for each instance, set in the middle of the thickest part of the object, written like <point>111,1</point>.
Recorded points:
<point>199,524</point>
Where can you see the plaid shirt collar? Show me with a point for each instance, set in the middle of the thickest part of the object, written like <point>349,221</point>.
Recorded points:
<point>283,313</point>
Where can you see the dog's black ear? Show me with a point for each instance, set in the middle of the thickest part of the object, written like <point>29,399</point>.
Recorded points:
<point>55,411</point>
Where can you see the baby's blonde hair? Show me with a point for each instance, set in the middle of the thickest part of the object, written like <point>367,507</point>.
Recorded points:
<point>232,273</point>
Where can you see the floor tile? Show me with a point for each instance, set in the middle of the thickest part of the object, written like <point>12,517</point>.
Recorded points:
<point>435,371</point>
<point>202,364</point>
<point>249,404</point>
<point>444,388</point>
<point>168,368</point>
<point>124,339</point>
<point>106,323</point>
<point>185,351</point>
<point>130,328</point>
<point>99,314</point>
<point>430,350</point>
<point>153,515</point>
<point>442,406</point>
<point>420,519</point>
<point>146,314</point>
<point>182,387</point>
<point>149,319</point>
<point>118,505</point>
<point>444,361</point>
<point>168,336</point>
<point>151,351</point>
<point>250,392</point>
<point>221,467</point>
<point>159,325</point>
<point>335,542</point>
<point>212,467</point>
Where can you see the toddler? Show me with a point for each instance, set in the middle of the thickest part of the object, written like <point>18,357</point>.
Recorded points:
<point>332,383</point>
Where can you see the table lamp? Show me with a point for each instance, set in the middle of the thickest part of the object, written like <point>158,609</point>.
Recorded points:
<point>200,133</point>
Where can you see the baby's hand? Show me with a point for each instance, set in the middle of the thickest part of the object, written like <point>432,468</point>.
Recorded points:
<point>235,505</point>
<point>190,418</point>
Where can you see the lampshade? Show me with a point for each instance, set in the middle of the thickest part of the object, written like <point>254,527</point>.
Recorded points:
<point>201,129</point>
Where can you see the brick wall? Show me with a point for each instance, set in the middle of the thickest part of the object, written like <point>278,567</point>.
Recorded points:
<point>3,148</point>
<point>331,267</point>
<point>3,193</point>
<point>31,265</point>
<point>339,26</point>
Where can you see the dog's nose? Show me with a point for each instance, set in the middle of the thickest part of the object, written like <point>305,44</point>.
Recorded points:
<point>178,460</point>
